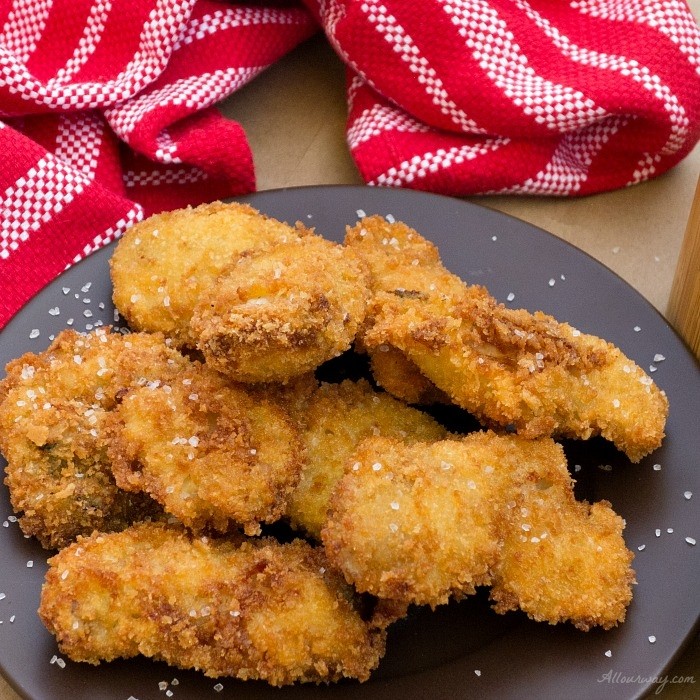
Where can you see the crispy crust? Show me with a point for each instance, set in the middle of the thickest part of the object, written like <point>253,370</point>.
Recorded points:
<point>421,523</point>
<point>51,431</point>
<point>209,451</point>
<point>252,609</point>
<point>282,312</point>
<point>164,265</point>
<point>508,367</point>
<point>334,420</point>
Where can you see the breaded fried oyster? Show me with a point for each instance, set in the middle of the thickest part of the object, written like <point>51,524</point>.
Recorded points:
<point>251,609</point>
<point>334,420</point>
<point>420,523</point>
<point>210,452</point>
<point>163,266</point>
<point>563,560</point>
<point>51,431</point>
<point>423,522</point>
<point>507,367</point>
<point>282,312</point>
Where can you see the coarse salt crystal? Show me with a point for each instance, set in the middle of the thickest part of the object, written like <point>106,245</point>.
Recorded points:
<point>657,532</point>
<point>34,333</point>
<point>393,527</point>
<point>376,466</point>
<point>636,329</point>
<point>669,530</point>
<point>687,495</point>
<point>608,653</point>
<point>394,505</point>
<point>659,358</point>
<point>652,639</point>
<point>30,564</point>
<point>218,687</point>
<point>510,296</point>
<point>477,672</point>
<point>657,467</point>
<point>552,282</point>
<point>642,547</point>
<point>691,541</point>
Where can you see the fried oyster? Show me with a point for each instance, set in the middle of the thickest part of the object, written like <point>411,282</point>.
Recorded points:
<point>247,608</point>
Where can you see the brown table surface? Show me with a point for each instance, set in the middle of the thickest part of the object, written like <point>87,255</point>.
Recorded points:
<point>294,115</point>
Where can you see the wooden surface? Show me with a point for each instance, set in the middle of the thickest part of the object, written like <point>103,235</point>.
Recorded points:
<point>684,305</point>
<point>295,113</point>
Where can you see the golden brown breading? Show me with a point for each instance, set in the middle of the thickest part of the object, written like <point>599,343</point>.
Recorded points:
<point>420,523</point>
<point>508,367</point>
<point>398,375</point>
<point>564,560</point>
<point>210,452</point>
<point>253,609</point>
<point>334,420</point>
<point>164,265</point>
<point>51,431</point>
<point>282,312</point>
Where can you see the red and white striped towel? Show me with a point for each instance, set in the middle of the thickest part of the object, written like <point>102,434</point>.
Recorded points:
<point>106,105</point>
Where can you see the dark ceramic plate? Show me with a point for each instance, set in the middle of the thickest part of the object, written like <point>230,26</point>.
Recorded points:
<point>460,650</point>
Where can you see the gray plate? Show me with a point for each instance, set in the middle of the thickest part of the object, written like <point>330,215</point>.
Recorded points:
<point>438,654</point>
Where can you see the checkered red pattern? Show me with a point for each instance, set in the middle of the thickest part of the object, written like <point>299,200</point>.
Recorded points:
<point>107,117</point>
<point>107,104</point>
<point>517,96</point>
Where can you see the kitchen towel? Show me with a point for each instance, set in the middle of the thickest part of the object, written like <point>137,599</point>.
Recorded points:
<point>107,116</point>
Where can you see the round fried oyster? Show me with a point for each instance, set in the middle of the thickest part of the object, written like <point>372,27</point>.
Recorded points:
<point>51,431</point>
<point>284,311</point>
<point>164,265</point>
<point>210,452</point>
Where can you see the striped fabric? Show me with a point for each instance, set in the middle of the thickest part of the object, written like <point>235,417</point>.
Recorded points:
<point>106,105</point>
<point>517,96</point>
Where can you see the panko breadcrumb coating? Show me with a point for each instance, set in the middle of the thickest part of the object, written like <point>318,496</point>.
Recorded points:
<point>564,560</point>
<point>420,523</point>
<point>334,420</point>
<point>507,367</point>
<point>51,431</point>
<point>209,451</point>
<point>282,312</point>
<point>250,608</point>
<point>423,522</point>
<point>163,266</point>
<point>398,375</point>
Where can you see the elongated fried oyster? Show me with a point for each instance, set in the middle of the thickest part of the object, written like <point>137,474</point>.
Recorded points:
<point>248,608</point>
<point>507,367</point>
<point>421,523</point>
